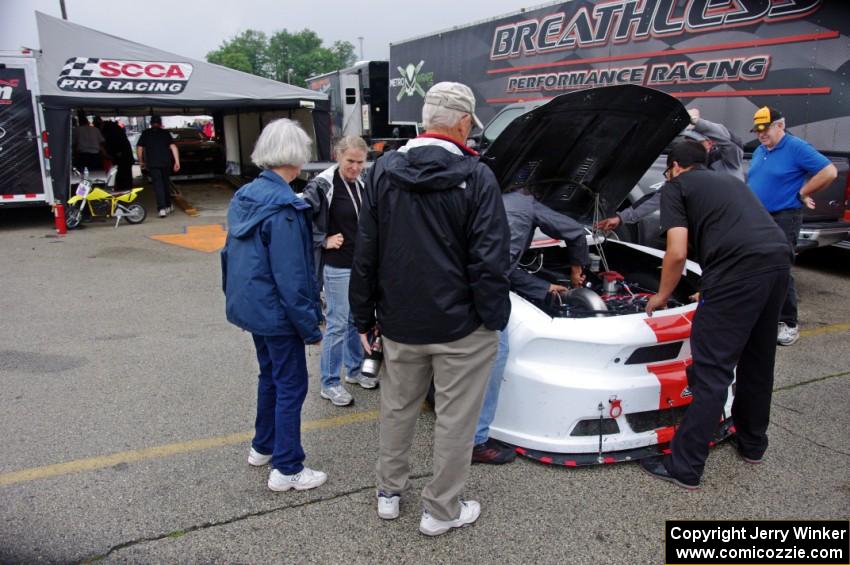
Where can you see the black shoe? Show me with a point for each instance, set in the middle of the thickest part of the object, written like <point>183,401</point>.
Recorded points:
<point>492,452</point>
<point>746,458</point>
<point>655,467</point>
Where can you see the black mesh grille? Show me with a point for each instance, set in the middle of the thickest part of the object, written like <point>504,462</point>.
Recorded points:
<point>591,427</point>
<point>645,421</point>
<point>655,353</point>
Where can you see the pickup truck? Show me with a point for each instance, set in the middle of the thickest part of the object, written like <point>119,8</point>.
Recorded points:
<point>825,225</point>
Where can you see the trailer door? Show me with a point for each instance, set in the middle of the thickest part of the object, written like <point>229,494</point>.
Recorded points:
<point>20,139</point>
<point>351,118</point>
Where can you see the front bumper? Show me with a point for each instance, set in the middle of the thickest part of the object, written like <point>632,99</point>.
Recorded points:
<point>594,390</point>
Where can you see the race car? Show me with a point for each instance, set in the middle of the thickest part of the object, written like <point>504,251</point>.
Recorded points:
<point>590,377</point>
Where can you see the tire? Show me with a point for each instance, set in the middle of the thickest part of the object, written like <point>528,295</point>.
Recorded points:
<point>73,217</point>
<point>136,214</point>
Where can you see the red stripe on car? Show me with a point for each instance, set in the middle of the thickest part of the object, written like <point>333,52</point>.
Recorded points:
<point>665,435</point>
<point>669,328</point>
<point>674,382</point>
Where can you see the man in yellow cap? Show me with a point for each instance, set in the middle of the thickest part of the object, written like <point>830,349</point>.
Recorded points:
<point>778,173</point>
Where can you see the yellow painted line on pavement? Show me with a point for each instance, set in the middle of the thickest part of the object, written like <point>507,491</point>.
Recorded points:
<point>156,452</point>
<point>93,463</point>
<point>825,330</point>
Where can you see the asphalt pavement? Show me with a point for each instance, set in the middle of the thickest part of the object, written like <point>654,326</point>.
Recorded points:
<point>128,404</point>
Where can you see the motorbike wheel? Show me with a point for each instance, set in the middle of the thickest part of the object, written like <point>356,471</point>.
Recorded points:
<point>136,214</point>
<point>73,217</point>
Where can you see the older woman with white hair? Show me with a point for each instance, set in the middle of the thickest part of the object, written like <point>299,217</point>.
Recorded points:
<point>336,196</point>
<point>271,291</point>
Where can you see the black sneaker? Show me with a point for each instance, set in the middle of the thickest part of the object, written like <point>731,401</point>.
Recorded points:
<point>655,467</point>
<point>733,441</point>
<point>492,452</point>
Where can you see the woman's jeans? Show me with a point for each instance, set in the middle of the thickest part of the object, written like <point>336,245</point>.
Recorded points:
<point>491,395</point>
<point>281,391</point>
<point>341,344</point>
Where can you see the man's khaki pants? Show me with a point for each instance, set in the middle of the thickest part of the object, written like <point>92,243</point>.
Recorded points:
<point>460,369</point>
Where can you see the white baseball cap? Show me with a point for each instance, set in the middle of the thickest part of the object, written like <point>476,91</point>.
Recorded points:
<point>455,96</point>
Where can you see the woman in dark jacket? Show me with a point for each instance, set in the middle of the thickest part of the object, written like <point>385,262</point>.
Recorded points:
<point>271,291</point>
<point>336,196</point>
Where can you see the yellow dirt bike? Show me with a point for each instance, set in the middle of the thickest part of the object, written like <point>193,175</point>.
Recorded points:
<point>96,202</point>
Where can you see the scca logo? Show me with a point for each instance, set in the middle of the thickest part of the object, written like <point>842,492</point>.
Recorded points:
<point>134,69</point>
<point>81,74</point>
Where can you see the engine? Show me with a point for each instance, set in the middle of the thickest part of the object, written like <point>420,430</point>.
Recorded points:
<point>619,281</point>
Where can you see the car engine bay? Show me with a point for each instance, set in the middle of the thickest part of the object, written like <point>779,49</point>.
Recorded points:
<point>619,281</point>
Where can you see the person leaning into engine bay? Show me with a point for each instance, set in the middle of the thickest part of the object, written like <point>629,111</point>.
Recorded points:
<point>525,214</point>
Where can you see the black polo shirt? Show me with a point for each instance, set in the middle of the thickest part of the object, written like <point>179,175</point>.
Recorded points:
<point>730,234</point>
<point>157,142</point>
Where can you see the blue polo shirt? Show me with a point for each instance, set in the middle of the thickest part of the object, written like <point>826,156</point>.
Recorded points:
<point>778,174</point>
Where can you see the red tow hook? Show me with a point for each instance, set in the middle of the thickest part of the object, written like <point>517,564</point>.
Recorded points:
<point>616,407</point>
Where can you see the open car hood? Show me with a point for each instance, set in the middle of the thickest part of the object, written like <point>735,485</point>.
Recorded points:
<point>587,143</point>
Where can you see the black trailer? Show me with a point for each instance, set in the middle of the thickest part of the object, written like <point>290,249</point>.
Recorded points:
<point>726,58</point>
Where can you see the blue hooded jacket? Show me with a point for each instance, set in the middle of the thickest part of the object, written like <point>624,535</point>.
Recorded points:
<point>267,268</point>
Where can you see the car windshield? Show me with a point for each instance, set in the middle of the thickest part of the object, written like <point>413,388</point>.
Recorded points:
<point>501,121</point>
<point>187,134</point>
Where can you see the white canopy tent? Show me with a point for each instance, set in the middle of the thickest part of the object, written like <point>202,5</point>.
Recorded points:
<point>82,68</point>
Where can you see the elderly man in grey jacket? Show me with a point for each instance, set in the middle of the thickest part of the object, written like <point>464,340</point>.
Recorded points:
<point>725,155</point>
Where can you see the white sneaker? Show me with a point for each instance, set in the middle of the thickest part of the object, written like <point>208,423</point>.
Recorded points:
<point>305,480</point>
<point>787,335</point>
<point>337,395</point>
<point>388,506</point>
<point>469,512</point>
<point>362,380</point>
<point>163,212</point>
<point>170,208</point>
<point>257,459</point>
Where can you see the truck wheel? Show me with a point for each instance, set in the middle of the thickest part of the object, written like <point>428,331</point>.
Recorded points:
<point>73,217</point>
<point>136,214</point>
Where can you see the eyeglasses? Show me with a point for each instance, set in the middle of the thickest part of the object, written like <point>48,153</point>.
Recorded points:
<point>667,172</point>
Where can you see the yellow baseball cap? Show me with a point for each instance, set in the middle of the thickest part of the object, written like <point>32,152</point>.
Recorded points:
<point>765,116</point>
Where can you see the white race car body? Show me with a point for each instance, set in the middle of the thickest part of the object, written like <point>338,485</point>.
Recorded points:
<point>568,379</point>
<point>590,377</point>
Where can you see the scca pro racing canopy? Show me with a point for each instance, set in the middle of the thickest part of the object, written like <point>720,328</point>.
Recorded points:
<point>83,68</point>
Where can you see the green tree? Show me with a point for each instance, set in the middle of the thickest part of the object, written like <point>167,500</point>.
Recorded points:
<point>285,56</point>
<point>246,52</point>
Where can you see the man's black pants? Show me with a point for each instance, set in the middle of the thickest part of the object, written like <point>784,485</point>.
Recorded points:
<point>789,221</point>
<point>735,323</point>
<point>161,180</point>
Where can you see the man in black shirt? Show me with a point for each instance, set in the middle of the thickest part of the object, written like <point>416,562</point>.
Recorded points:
<point>746,262</point>
<point>158,153</point>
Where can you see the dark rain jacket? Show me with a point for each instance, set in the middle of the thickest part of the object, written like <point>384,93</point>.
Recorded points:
<point>267,262</point>
<point>525,214</point>
<point>432,248</point>
<point>319,193</point>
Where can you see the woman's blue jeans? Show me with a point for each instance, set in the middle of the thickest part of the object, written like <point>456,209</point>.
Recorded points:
<point>341,344</point>
<point>281,391</point>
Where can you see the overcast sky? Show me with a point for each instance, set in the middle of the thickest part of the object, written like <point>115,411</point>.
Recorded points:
<point>193,27</point>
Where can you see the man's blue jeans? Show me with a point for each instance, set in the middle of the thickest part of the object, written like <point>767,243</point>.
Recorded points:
<point>281,391</point>
<point>341,344</point>
<point>491,395</point>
